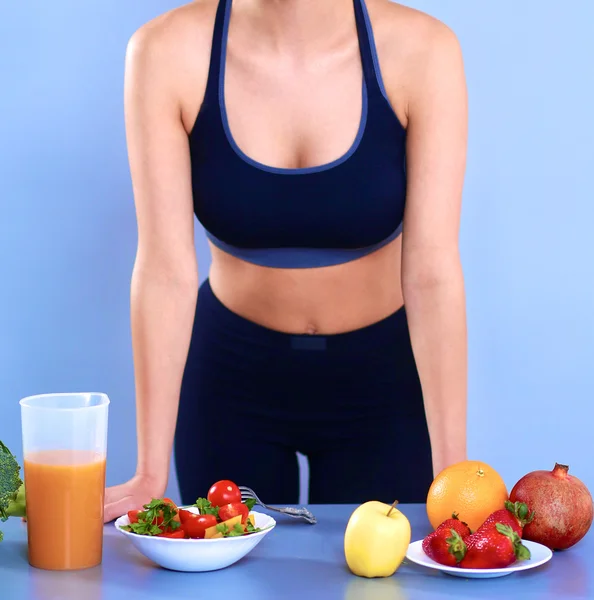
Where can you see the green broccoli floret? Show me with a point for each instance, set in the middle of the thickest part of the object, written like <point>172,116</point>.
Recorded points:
<point>12,489</point>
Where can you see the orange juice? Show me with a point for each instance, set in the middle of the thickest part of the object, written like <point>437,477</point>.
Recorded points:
<point>64,495</point>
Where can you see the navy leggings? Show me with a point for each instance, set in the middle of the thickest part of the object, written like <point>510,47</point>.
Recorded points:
<point>252,398</point>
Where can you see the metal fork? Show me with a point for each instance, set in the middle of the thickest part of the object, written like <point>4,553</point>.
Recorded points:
<point>298,513</point>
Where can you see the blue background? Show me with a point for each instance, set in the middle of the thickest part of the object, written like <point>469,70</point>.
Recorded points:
<point>68,230</point>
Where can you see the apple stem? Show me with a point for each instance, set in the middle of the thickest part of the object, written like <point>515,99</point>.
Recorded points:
<point>392,507</point>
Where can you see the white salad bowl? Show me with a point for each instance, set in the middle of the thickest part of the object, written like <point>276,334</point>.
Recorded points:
<point>198,555</point>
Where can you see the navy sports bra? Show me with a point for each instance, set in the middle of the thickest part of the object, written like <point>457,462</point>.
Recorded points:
<point>303,217</point>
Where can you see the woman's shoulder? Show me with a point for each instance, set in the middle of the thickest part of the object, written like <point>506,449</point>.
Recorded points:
<point>172,51</point>
<point>408,32</point>
<point>177,30</point>
<point>410,27</point>
<point>411,45</point>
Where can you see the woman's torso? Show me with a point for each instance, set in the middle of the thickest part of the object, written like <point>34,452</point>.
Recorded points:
<point>294,108</point>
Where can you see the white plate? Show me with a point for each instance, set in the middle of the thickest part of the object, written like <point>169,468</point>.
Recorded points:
<point>197,555</point>
<point>539,556</point>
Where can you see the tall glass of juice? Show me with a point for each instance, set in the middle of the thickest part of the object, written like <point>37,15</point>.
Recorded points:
<point>65,448</point>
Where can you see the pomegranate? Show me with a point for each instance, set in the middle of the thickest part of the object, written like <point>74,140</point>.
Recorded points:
<point>562,505</point>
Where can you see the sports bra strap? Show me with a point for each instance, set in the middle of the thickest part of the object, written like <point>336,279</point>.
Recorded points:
<point>212,85</point>
<point>367,48</point>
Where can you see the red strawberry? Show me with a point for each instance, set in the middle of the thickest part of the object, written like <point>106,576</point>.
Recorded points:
<point>516,515</point>
<point>457,525</point>
<point>493,548</point>
<point>445,546</point>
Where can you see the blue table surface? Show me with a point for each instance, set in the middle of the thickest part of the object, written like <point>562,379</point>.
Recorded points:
<point>295,560</point>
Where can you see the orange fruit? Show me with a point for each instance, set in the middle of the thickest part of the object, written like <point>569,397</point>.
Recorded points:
<point>470,488</point>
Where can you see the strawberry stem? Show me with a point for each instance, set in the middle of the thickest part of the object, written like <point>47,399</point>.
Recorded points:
<point>457,518</point>
<point>520,551</point>
<point>456,546</point>
<point>520,511</point>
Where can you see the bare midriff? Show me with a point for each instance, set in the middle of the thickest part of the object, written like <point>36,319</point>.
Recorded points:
<point>65,492</point>
<point>322,301</point>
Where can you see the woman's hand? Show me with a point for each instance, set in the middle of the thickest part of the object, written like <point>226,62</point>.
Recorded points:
<point>131,495</point>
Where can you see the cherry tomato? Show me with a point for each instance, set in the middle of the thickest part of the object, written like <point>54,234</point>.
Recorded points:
<point>133,516</point>
<point>196,525</point>
<point>223,492</point>
<point>184,515</point>
<point>177,534</point>
<point>228,511</point>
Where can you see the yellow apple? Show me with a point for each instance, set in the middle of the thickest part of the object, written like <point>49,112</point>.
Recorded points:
<point>376,540</point>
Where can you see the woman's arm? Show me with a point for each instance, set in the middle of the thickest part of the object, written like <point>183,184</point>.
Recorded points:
<point>432,279</point>
<point>165,276</point>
